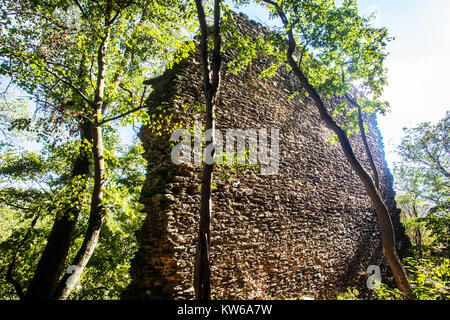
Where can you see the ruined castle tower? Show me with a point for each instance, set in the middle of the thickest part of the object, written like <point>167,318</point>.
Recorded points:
<point>308,230</point>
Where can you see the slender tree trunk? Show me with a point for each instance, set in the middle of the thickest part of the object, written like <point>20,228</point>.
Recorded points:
<point>365,142</point>
<point>386,227</point>
<point>97,212</point>
<point>211,81</point>
<point>51,263</point>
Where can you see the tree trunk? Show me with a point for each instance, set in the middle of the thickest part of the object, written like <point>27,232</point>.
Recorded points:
<point>97,212</point>
<point>51,263</point>
<point>96,218</point>
<point>386,227</point>
<point>202,269</point>
<point>365,142</point>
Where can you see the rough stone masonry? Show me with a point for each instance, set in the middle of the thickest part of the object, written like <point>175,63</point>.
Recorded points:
<point>309,230</point>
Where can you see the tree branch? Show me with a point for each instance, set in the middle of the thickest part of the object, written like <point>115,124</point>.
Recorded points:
<point>364,139</point>
<point>438,163</point>
<point>70,84</point>
<point>87,17</point>
<point>13,205</point>
<point>141,106</point>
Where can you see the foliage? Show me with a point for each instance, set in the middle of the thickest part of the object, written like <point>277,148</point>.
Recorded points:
<point>422,193</point>
<point>111,259</point>
<point>437,221</point>
<point>50,51</point>
<point>53,58</point>
<point>338,50</point>
<point>430,279</point>
<point>57,64</point>
<point>426,159</point>
<point>423,183</point>
<point>248,48</point>
<point>351,294</point>
<point>36,184</point>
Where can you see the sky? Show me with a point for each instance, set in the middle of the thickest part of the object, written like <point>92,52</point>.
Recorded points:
<point>418,64</point>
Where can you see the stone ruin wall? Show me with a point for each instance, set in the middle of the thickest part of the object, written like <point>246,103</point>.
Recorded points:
<point>310,230</point>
